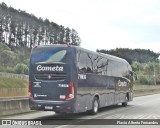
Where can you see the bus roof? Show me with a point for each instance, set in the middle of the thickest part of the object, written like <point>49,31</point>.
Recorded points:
<point>80,48</point>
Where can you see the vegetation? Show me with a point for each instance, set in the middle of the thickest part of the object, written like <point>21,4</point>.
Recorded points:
<point>21,29</point>
<point>12,83</point>
<point>10,87</point>
<point>148,73</point>
<point>14,61</point>
<point>131,55</point>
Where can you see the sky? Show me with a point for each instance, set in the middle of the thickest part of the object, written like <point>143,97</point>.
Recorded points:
<point>102,24</point>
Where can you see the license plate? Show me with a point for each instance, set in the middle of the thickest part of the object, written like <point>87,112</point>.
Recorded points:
<point>48,107</point>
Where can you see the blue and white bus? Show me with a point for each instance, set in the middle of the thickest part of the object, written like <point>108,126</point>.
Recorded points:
<point>70,79</point>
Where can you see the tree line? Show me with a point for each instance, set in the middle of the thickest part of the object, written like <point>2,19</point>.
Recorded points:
<point>132,55</point>
<point>21,29</point>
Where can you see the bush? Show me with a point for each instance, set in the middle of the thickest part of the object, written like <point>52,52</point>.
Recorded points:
<point>147,80</point>
<point>4,47</point>
<point>7,69</point>
<point>21,68</point>
<point>7,58</point>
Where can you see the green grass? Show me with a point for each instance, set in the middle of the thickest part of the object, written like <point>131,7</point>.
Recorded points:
<point>12,83</point>
<point>139,86</point>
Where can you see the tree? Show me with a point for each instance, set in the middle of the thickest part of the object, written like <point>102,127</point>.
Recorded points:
<point>21,29</point>
<point>75,38</point>
<point>131,55</point>
<point>62,35</point>
<point>67,35</point>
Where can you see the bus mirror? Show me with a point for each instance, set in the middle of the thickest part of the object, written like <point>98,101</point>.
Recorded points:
<point>134,76</point>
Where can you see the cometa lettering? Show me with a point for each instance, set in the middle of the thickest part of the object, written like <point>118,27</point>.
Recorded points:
<point>122,84</point>
<point>49,68</point>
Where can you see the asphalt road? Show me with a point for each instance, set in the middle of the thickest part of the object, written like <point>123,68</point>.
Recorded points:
<point>144,107</point>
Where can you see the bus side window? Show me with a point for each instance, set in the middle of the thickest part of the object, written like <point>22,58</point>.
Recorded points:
<point>109,70</point>
<point>84,63</point>
<point>102,66</point>
<point>112,68</point>
<point>81,63</point>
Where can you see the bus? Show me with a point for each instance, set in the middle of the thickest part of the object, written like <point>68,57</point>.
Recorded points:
<point>70,79</point>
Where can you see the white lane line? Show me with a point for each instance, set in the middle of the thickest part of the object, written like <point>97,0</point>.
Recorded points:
<point>74,123</point>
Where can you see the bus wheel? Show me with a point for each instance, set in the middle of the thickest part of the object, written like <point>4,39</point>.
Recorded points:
<point>95,106</point>
<point>124,104</point>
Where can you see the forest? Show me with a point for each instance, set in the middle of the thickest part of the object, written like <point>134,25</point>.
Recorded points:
<point>21,29</point>
<point>131,55</point>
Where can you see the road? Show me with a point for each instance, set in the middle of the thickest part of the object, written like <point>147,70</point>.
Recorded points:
<point>144,107</point>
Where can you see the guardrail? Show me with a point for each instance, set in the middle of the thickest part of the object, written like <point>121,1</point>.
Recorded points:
<point>9,106</point>
<point>12,75</point>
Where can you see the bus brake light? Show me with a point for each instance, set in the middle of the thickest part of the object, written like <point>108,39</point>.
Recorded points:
<point>30,91</point>
<point>70,95</point>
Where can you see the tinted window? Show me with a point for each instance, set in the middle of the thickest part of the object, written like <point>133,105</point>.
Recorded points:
<point>101,65</point>
<point>120,68</point>
<point>50,55</point>
<point>112,68</point>
<point>90,63</point>
<point>84,62</point>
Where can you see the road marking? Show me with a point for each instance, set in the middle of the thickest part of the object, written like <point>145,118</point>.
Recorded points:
<point>62,126</point>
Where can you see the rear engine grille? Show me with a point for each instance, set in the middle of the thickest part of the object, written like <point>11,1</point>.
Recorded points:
<point>50,76</point>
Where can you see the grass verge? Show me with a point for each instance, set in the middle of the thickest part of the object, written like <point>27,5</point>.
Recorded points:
<point>11,87</point>
<point>12,83</point>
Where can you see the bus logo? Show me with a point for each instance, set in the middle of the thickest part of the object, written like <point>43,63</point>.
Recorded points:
<point>49,68</point>
<point>122,84</point>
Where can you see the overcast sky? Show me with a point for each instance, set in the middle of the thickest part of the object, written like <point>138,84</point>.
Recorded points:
<point>102,24</point>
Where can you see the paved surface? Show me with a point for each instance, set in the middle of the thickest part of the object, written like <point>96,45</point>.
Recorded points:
<point>144,107</point>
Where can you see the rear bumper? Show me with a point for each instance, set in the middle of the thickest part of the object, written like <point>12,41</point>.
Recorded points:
<point>56,106</point>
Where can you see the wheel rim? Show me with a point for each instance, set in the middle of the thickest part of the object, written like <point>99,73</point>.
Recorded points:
<point>126,99</point>
<point>95,106</point>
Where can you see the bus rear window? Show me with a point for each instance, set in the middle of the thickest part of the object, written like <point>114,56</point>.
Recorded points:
<point>47,55</point>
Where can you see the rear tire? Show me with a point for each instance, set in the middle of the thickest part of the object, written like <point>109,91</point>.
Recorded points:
<point>124,104</point>
<point>95,106</point>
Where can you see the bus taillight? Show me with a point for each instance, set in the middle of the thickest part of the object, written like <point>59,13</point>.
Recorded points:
<point>70,95</point>
<point>30,90</point>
